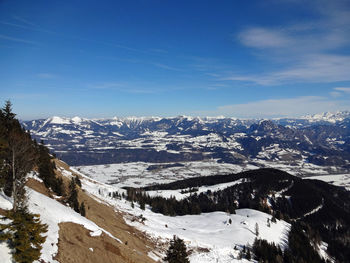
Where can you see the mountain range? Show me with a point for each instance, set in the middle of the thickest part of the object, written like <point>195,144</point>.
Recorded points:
<point>321,140</point>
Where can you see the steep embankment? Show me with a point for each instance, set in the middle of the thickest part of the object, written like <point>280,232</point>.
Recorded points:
<point>101,236</point>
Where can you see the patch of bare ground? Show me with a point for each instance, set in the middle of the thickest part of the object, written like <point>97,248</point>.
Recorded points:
<point>134,246</point>
<point>76,246</point>
<point>2,212</point>
<point>38,186</point>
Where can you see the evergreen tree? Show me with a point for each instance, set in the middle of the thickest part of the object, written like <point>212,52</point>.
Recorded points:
<point>18,155</point>
<point>21,159</point>
<point>142,204</point>
<point>248,255</point>
<point>256,229</point>
<point>82,209</point>
<point>24,234</point>
<point>177,252</point>
<point>73,196</point>
<point>7,111</point>
<point>77,181</point>
<point>46,170</point>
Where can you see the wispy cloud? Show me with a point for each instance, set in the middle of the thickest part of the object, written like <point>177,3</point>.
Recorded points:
<point>304,52</point>
<point>25,21</point>
<point>264,38</point>
<point>29,25</point>
<point>271,108</point>
<point>46,75</point>
<point>343,89</point>
<point>317,68</point>
<point>159,50</point>
<point>107,86</point>
<point>20,40</point>
<point>124,87</point>
<point>140,61</point>
<point>164,66</point>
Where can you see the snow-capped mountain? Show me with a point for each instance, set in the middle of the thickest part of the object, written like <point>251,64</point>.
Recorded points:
<point>320,140</point>
<point>328,117</point>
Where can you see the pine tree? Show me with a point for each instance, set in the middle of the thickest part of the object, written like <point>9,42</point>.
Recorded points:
<point>248,255</point>
<point>21,159</point>
<point>46,170</point>
<point>177,252</point>
<point>7,111</point>
<point>73,196</point>
<point>256,229</point>
<point>77,181</point>
<point>142,204</point>
<point>24,234</point>
<point>82,209</point>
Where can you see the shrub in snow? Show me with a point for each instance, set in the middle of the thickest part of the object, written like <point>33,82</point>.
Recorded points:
<point>177,252</point>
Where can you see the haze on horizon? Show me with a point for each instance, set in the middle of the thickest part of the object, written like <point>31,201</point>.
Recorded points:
<point>244,59</point>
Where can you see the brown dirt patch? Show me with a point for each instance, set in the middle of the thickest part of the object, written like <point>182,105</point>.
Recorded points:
<point>77,246</point>
<point>135,244</point>
<point>38,186</point>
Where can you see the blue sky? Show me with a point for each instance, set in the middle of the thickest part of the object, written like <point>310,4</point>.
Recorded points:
<point>166,58</point>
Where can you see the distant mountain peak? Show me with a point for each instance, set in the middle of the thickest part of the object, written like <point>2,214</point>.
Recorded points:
<point>59,120</point>
<point>332,117</point>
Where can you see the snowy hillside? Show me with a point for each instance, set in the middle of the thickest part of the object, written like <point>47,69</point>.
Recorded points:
<point>209,235</point>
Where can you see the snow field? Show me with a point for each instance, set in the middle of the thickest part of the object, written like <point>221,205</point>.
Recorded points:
<point>210,235</point>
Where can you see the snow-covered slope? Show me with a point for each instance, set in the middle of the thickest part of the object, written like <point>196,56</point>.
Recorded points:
<point>5,253</point>
<point>210,235</point>
<point>212,231</point>
<point>52,213</point>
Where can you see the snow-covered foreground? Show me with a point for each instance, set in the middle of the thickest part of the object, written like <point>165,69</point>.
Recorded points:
<point>213,231</point>
<point>210,235</point>
<point>5,253</point>
<point>5,202</point>
<point>52,213</point>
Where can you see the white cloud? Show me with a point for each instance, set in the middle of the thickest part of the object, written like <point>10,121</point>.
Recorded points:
<point>343,89</point>
<point>290,107</point>
<point>304,51</point>
<point>313,69</point>
<point>335,94</point>
<point>264,38</point>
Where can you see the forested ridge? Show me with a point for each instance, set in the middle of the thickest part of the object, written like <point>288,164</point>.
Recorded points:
<point>321,210</point>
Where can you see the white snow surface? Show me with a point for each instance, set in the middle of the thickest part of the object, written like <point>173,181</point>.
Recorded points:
<point>52,213</point>
<point>5,253</point>
<point>213,232</point>
<point>210,231</point>
<point>5,202</point>
<point>336,179</point>
<point>59,120</point>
